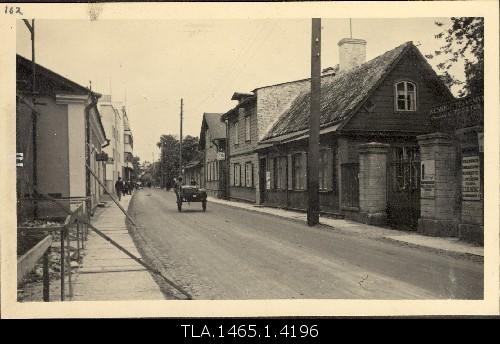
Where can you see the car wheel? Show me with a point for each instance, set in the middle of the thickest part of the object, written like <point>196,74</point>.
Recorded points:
<point>204,205</point>
<point>179,206</point>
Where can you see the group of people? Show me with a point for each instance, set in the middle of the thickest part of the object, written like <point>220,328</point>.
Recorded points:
<point>123,187</point>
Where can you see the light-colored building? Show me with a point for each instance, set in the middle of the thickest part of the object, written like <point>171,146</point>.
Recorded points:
<point>58,136</point>
<point>128,151</point>
<point>112,120</point>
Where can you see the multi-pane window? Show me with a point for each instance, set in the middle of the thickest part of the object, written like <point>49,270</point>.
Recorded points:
<point>249,174</point>
<point>279,172</point>
<point>406,96</point>
<point>237,175</point>
<point>298,171</point>
<point>247,128</point>
<point>325,169</point>
<point>236,132</point>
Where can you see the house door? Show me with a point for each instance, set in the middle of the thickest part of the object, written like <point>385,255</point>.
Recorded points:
<point>403,203</point>
<point>262,180</point>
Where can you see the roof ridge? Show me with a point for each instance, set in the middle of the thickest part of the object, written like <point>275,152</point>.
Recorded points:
<point>338,79</point>
<point>49,71</point>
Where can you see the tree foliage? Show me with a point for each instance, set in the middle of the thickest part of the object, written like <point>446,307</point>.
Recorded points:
<point>169,165</point>
<point>463,40</point>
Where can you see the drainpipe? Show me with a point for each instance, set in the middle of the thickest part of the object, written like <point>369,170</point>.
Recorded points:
<point>93,103</point>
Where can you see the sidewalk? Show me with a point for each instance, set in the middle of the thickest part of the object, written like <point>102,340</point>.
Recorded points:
<point>106,272</point>
<point>452,246</point>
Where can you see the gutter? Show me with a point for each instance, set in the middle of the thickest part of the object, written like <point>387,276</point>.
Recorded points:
<point>93,103</point>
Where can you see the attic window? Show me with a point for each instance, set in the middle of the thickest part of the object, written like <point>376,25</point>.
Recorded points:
<point>405,96</point>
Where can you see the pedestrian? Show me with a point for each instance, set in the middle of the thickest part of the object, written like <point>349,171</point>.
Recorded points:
<point>177,187</point>
<point>119,188</point>
<point>129,187</point>
<point>125,191</point>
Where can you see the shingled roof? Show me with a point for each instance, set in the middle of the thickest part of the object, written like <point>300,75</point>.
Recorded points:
<point>215,125</point>
<point>340,95</point>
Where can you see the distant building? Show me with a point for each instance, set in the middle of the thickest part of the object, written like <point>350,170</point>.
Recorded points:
<point>63,131</point>
<point>213,146</point>
<point>113,124</point>
<point>128,151</point>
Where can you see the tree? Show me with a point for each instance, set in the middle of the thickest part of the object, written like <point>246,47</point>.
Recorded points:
<point>463,40</point>
<point>169,159</point>
<point>137,167</point>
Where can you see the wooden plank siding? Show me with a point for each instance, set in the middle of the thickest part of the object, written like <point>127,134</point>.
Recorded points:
<point>384,116</point>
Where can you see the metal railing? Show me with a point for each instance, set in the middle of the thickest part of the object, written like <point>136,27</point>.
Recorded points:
<point>74,230</point>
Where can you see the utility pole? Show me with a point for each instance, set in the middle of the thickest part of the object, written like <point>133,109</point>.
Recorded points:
<point>34,119</point>
<point>314,124</point>
<point>153,176</point>
<point>180,142</point>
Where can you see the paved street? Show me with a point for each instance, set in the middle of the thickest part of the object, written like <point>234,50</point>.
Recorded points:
<point>230,253</point>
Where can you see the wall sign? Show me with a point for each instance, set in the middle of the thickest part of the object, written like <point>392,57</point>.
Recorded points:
<point>19,159</point>
<point>427,178</point>
<point>471,178</point>
<point>221,156</point>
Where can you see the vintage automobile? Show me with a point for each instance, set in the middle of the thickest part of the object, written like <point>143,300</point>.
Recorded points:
<point>192,193</point>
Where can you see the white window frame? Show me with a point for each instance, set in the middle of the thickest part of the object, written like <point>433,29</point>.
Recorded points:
<point>247,129</point>
<point>236,133</point>
<point>248,174</point>
<point>405,93</point>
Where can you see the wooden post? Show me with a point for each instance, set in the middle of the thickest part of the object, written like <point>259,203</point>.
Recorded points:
<point>46,276</point>
<point>62,262</point>
<point>68,261</point>
<point>180,141</point>
<point>314,124</point>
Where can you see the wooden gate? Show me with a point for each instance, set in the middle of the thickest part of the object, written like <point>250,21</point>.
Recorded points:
<point>403,204</point>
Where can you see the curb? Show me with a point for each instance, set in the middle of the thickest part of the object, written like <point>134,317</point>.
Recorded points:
<point>455,254</point>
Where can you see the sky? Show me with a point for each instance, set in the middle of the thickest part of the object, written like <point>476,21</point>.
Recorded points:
<point>151,64</point>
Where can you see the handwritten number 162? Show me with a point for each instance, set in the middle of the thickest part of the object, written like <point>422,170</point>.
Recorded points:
<point>13,10</point>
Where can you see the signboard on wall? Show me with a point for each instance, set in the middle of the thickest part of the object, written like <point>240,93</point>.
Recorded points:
<point>221,156</point>
<point>427,178</point>
<point>19,159</point>
<point>268,180</point>
<point>471,178</point>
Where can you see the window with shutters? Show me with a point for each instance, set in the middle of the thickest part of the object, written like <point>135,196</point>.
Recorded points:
<point>325,170</point>
<point>405,96</point>
<point>249,174</point>
<point>236,133</point>
<point>279,175</point>
<point>298,171</point>
<point>237,174</point>
<point>247,128</point>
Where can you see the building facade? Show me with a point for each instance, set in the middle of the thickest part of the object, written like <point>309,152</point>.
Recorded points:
<point>371,115</point>
<point>247,123</point>
<point>113,124</point>
<point>128,148</point>
<point>213,147</point>
<point>59,137</point>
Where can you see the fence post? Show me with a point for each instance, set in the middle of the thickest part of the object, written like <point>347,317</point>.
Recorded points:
<point>62,261</point>
<point>68,243</point>
<point>46,276</point>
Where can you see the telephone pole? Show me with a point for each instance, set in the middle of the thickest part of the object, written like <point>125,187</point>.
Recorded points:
<point>314,124</point>
<point>180,142</point>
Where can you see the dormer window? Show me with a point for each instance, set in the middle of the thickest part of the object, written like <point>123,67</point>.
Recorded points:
<point>405,96</point>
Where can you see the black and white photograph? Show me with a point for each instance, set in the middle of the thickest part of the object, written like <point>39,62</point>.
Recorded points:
<point>333,155</point>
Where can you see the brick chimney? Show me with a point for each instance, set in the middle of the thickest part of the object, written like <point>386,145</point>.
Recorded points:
<point>352,53</point>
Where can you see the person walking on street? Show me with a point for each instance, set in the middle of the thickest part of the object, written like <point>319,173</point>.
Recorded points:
<point>177,187</point>
<point>119,188</point>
